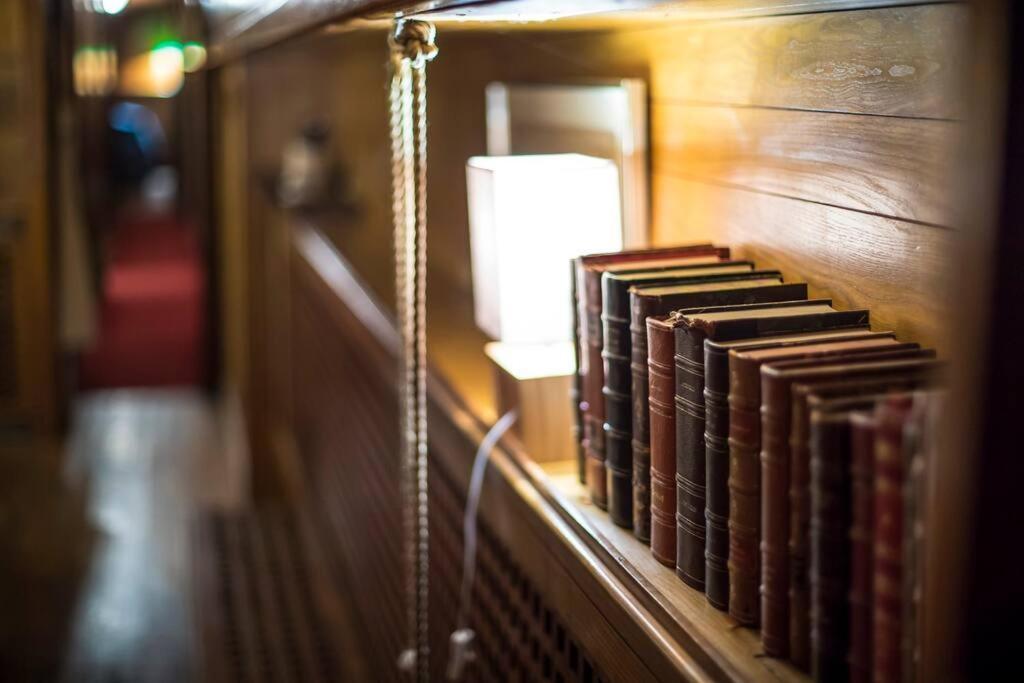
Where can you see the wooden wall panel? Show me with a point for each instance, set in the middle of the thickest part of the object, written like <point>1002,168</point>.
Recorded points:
<point>893,61</point>
<point>890,166</point>
<point>892,267</point>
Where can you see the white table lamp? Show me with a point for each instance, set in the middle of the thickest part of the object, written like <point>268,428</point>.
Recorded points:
<point>529,216</point>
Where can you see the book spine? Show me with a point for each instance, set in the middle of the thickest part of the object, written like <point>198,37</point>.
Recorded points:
<point>862,468</point>
<point>716,446</point>
<point>913,546</point>
<point>830,519</point>
<point>799,530</point>
<point>774,516</point>
<point>744,490</point>
<point>690,458</point>
<point>593,422</point>
<point>661,366</point>
<point>887,581</point>
<point>639,391</point>
<point>576,391</point>
<point>618,426</point>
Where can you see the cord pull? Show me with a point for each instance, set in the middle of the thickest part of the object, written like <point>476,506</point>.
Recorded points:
<point>460,653</point>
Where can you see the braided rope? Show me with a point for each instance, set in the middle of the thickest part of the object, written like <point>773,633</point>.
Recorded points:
<point>412,46</point>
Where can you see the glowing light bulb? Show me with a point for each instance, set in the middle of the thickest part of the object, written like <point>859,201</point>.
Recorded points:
<point>113,6</point>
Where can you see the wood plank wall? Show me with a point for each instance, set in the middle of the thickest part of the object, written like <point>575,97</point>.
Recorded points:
<point>818,143</point>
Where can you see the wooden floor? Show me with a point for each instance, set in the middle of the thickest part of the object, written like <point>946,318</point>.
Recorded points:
<point>95,567</point>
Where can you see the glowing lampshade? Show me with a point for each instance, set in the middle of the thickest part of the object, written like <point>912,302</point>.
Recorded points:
<point>529,216</point>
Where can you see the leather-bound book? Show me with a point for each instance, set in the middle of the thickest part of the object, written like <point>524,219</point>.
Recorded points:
<point>887,582</point>
<point>830,545</point>
<point>837,450</point>
<point>730,322</point>
<point>589,339</point>
<point>920,434</point>
<point>748,525</point>
<point>716,442</point>
<point>863,426</point>
<point>744,475</point>
<point>805,398</point>
<point>576,391</point>
<point>777,379</point>
<point>617,354</point>
<point>661,342</point>
<point>660,300</point>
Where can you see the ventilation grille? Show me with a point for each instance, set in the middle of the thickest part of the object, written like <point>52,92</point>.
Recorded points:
<point>346,424</point>
<point>519,637</point>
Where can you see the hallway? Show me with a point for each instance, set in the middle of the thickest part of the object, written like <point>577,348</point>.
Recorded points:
<point>100,550</point>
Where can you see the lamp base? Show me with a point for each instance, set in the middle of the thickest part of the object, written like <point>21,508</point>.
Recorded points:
<point>536,380</point>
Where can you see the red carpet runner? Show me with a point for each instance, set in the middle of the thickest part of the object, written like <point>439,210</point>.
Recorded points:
<point>152,326</point>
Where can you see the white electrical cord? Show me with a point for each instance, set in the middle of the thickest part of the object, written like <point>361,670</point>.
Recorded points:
<point>461,642</point>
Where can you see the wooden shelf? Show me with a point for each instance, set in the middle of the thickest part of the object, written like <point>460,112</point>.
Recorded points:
<point>708,634</point>
<point>737,646</point>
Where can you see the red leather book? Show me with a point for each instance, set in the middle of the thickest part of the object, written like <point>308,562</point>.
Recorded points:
<point>806,397</point>
<point>616,356</point>
<point>748,473</point>
<point>830,546</point>
<point>887,582</point>
<point>777,379</point>
<point>588,270</point>
<point>716,442</point>
<point>725,290</point>
<point>921,435</point>
<point>661,401</point>
<point>731,322</point>
<point>863,427</point>
<point>834,534</point>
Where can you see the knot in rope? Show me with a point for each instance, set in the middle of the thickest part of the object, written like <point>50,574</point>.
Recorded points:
<point>413,40</point>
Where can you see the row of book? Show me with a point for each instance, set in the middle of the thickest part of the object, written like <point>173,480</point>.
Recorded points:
<point>760,442</point>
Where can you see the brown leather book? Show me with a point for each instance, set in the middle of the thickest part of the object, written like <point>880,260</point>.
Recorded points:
<point>921,440</point>
<point>749,470</point>
<point>744,288</point>
<point>589,340</point>
<point>731,322</point>
<point>834,533</point>
<point>616,356</point>
<point>887,582</point>
<point>716,442</point>
<point>830,447</point>
<point>863,426</point>
<point>661,401</point>
<point>847,394</point>
<point>777,379</point>
<point>806,397</point>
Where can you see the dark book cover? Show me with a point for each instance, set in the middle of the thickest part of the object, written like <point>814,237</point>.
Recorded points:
<point>661,401</point>
<point>808,396</point>
<point>748,535</point>
<point>863,426</point>
<point>698,325</point>
<point>830,545</point>
<point>777,558</point>
<point>716,443</point>
<point>719,290</point>
<point>887,582</point>
<point>587,272</point>
<point>617,353</point>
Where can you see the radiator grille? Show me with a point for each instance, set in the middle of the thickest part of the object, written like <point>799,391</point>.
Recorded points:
<point>346,425</point>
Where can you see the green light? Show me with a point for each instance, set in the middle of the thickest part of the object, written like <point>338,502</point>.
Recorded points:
<point>194,56</point>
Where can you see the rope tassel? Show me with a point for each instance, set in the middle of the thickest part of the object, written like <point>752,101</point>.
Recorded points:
<point>412,46</point>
